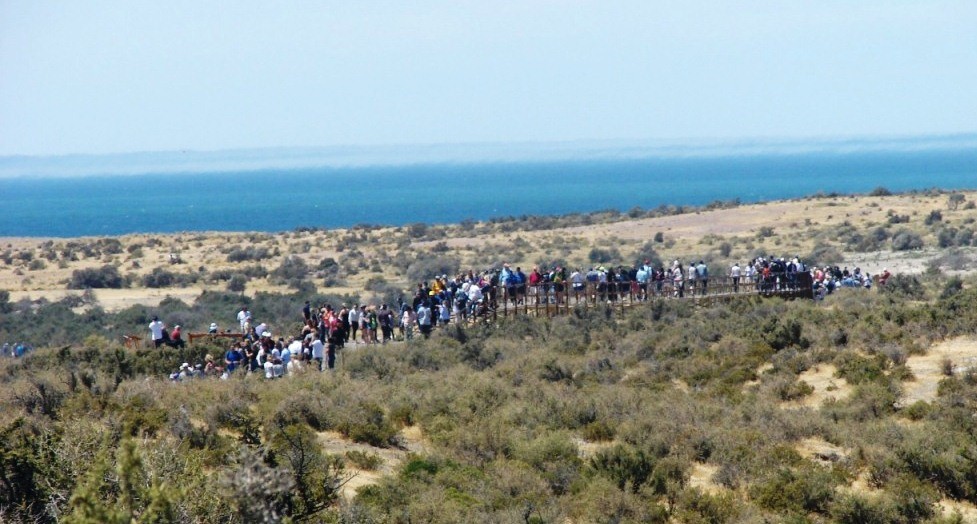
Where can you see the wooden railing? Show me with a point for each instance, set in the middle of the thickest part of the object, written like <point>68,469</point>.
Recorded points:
<point>549,299</point>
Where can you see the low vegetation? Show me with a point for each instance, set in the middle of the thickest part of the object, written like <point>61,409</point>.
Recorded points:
<point>591,416</point>
<point>666,412</point>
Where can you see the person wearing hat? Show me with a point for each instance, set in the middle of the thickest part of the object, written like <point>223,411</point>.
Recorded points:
<point>186,372</point>
<point>213,328</point>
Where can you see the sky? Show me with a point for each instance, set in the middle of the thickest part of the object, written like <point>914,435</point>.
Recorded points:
<point>121,76</point>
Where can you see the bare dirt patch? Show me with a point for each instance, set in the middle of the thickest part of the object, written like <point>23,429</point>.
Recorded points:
<point>392,458</point>
<point>701,476</point>
<point>826,386</point>
<point>759,372</point>
<point>587,449</point>
<point>928,369</point>
<point>820,450</point>
<point>967,511</point>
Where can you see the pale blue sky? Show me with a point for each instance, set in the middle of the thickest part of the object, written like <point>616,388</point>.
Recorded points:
<point>133,75</point>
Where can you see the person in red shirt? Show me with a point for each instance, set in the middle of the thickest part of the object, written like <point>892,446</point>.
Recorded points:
<point>884,276</point>
<point>176,337</point>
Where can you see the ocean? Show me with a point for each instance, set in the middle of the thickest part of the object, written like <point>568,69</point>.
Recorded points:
<point>269,199</point>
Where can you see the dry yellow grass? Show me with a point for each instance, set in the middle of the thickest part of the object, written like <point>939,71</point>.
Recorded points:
<point>693,235</point>
<point>701,475</point>
<point>928,369</point>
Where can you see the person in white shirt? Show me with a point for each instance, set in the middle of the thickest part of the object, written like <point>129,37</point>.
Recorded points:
<point>577,280</point>
<point>354,323</point>
<point>318,352</point>
<point>734,273</point>
<point>273,364</point>
<point>156,331</point>
<point>244,318</point>
<point>295,348</point>
<point>445,314</point>
<point>424,317</point>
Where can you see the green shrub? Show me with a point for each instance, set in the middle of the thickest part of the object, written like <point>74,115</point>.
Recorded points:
<point>856,369</point>
<point>106,276</point>
<point>598,431</point>
<point>880,191</point>
<point>369,425</point>
<point>807,489</point>
<point>627,467</point>
<point>907,286</point>
<point>696,507</point>
<point>249,253</point>
<point>364,460</point>
<point>426,267</point>
<point>905,240</point>
<point>604,255</point>
<point>855,509</point>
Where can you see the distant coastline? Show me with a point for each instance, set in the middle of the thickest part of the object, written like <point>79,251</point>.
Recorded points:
<point>283,198</point>
<point>343,157</point>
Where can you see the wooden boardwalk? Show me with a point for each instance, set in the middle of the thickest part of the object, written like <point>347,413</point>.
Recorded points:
<point>553,299</point>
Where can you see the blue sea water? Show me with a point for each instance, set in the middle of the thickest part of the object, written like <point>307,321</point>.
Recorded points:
<point>441,192</point>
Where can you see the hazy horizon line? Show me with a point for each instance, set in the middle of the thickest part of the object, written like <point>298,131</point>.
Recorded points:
<point>360,156</point>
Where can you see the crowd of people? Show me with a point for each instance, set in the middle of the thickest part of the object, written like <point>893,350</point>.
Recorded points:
<point>15,350</point>
<point>326,330</point>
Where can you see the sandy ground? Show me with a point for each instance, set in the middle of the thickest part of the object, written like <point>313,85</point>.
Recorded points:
<point>820,450</point>
<point>701,475</point>
<point>587,449</point>
<point>966,510</point>
<point>928,369</point>
<point>796,226</point>
<point>827,386</point>
<point>334,443</point>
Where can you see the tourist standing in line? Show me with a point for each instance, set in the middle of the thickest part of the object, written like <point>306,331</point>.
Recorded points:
<point>353,319</point>
<point>677,279</point>
<point>702,271</point>
<point>424,319</point>
<point>734,274</point>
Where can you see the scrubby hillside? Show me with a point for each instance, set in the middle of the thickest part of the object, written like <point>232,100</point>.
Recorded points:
<point>855,409</point>
<point>668,412</point>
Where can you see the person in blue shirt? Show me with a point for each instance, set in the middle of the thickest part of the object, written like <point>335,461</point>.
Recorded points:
<point>232,359</point>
